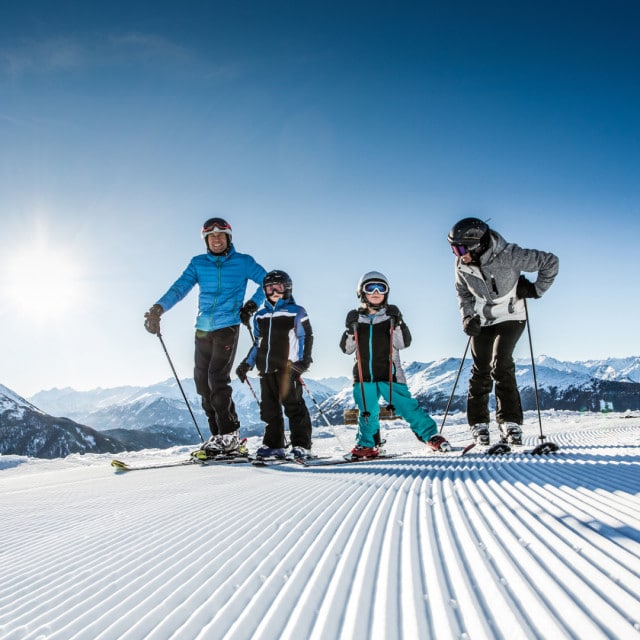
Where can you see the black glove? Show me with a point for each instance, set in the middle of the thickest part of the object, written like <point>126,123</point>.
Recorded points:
<point>471,325</point>
<point>242,370</point>
<point>526,289</point>
<point>352,318</point>
<point>152,319</point>
<point>297,369</point>
<point>394,313</point>
<point>249,308</point>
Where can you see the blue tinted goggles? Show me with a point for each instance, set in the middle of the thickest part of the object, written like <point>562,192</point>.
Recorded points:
<point>375,287</point>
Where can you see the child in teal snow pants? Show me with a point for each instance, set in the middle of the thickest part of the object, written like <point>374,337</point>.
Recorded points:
<point>405,405</point>
<point>375,333</point>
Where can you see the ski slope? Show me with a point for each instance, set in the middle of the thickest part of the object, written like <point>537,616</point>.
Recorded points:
<point>421,546</point>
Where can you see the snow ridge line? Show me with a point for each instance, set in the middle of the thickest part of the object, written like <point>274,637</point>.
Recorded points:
<point>434,547</point>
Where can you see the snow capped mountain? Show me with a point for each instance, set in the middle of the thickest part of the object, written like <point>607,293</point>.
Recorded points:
<point>26,430</point>
<point>13,405</point>
<point>161,404</point>
<point>156,416</point>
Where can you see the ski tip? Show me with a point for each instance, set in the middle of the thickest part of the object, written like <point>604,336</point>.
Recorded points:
<point>118,465</point>
<point>498,449</point>
<point>468,448</point>
<point>545,448</point>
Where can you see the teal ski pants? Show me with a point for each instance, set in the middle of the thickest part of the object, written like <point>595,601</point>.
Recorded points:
<point>421,423</point>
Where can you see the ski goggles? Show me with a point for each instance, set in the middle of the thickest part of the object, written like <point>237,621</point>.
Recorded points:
<point>275,287</point>
<point>215,225</point>
<point>376,287</point>
<point>461,249</point>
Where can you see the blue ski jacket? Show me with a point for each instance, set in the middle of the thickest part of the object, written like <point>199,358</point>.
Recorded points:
<point>222,280</point>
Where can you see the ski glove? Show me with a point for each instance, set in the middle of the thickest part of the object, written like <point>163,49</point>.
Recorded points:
<point>394,313</point>
<point>352,318</point>
<point>249,308</point>
<point>526,289</point>
<point>471,325</point>
<point>152,319</point>
<point>242,370</point>
<point>298,368</point>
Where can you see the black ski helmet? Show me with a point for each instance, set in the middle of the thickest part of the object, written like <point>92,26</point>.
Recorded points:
<point>215,224</point>
<point>372,276</point>
<point>278,277</point>
<point>471,233</point>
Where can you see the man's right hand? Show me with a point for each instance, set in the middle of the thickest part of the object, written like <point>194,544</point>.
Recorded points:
<point>152,319</point>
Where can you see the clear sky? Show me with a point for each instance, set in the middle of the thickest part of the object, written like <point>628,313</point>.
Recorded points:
<point>336,138</point>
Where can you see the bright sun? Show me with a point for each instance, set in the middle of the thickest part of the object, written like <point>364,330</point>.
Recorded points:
<point>40,280</point>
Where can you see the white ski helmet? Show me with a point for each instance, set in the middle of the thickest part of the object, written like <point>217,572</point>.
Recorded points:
<point>371,277</point>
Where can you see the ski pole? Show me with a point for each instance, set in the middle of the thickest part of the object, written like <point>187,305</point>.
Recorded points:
<point>455,384</point>
<point>322,413</point>
<point>390,406</point>
<point>180,386</point>
<point>365,413</point>
<point>533,369</point>
<point>253,393</point>
<point>246,324</point>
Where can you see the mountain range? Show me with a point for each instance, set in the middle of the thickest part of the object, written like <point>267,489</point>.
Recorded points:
<point>157,416</point>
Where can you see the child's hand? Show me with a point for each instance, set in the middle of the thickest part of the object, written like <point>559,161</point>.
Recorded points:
<point>242,370</point>
<point>352,318</point>
<point>394,313</point>
<point>248,309</point>
<point>297,369</point>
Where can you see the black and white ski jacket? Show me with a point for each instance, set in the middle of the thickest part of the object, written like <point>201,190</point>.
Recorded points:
<point>488,289</point>
<point>374,347</point>
<point>282,334</point>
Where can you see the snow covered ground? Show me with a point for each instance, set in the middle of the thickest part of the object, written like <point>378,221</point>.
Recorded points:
<point>422,546</point>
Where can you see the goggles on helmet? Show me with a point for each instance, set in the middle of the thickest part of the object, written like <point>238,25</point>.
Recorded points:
<point>462,249</point>
<point>275,287</point>
<point>376,287</point>
<point>214,225</point>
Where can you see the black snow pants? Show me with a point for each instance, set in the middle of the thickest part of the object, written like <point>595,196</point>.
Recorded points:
<point>492,353</point>
<point>215,352</point>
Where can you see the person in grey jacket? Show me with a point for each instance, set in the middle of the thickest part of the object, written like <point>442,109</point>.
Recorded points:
<point>491,290</point>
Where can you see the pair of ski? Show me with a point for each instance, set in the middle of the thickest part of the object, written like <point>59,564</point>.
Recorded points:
<point>497,449</point>
<point>501,448</point>
<point>119,465</point>
<point>318,461</point>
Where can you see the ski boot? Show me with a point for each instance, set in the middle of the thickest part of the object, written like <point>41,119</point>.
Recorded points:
<point>300,453</point>
<point>510,433</point>
<point>480,433</point>
<point>360,453</point>
<point>222,446</point>
<point>271,453</point>
<point>438,443</point>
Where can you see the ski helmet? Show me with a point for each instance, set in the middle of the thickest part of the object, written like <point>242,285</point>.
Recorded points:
<point>278,277</point>
<point>370,279</point>
<point>471,233</point>
<point>213,225</point>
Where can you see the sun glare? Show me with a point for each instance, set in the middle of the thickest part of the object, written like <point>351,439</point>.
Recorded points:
<point>39,280</point>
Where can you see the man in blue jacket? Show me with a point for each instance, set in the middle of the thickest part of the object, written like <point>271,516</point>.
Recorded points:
<point>222,275</point>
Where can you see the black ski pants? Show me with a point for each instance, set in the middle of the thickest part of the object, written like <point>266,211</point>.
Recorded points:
<point>277,390</point>
<point>215,352</point>
<point>492,353</point>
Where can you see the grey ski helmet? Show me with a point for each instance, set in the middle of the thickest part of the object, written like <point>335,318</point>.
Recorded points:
<point>471,233</point>
<point>370,278</point>
<point>213,225</point>
<point>278,277</point>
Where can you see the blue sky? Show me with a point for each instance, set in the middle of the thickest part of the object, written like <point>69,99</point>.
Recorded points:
<point>336,138</point>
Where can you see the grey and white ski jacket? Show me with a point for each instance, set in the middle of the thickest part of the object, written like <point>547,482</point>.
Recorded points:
<point>488,289</point>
